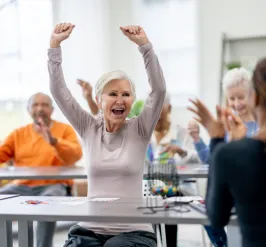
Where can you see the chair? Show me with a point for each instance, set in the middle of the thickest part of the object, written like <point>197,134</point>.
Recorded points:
<point>68,190</point>
<point>161,236</point>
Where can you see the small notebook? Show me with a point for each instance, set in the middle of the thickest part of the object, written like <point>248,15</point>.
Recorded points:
<point>3,197</point>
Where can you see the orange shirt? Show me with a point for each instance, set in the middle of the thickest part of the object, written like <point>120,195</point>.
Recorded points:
<point>28,148</point>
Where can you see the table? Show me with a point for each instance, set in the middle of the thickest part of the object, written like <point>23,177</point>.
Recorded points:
<point>42,173</point>
<point>193,171</point>
<point>62,173</point>
<point>120,211</point>
<point>9,173</point>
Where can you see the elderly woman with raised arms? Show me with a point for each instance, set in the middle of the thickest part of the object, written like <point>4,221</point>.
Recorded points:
<point>114,146</point>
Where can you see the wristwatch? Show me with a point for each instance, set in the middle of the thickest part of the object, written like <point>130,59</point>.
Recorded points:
<point>184,154</point>
<point>53,141</point>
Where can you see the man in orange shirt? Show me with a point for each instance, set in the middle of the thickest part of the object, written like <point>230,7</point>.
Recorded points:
<point>45,142</point>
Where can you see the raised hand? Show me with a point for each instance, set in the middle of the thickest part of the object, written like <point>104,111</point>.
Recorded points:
<point>194,130</point>
<point>234,126</point>
<point>86,88</point>
<point>44,130</point>
<point>136,34</point>
<point>87,93</point>
<point>213,125</point>
<point>61,32</point>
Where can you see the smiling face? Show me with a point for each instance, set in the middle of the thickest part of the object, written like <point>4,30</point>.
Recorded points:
<point>116,101</point>
<point>237,98</point>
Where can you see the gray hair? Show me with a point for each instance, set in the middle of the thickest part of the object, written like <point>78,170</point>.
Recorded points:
<point>237,77</point>
<point>113,75</point>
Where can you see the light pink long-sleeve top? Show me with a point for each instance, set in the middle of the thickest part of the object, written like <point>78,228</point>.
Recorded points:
<point>114,160</point>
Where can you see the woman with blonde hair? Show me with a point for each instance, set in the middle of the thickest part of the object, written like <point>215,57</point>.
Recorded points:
<point>171,139</point>
<point>175,142</point>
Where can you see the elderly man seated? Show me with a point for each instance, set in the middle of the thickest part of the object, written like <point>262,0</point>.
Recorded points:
<point>45,142</point>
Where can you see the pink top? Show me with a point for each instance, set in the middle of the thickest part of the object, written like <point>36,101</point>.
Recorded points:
<point>114,160</point>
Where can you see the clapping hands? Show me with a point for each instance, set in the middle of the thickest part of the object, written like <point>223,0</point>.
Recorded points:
<point>233,125</point>
<point>224,122</point>
<point>44,130</point>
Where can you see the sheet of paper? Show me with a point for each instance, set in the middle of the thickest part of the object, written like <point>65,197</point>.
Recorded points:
<point>203,168</point>
<point>66,201</point>
<point>184,199</point>
<point>73,203</point>
<point>102,199</point>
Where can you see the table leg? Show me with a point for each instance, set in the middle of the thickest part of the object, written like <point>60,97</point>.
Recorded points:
<point>234,236</point>
<point>163,235</point>
<point>6,233</point>
<point>25,233</point>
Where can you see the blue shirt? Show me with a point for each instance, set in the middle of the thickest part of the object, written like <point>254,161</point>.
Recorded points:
<point>204,151</point>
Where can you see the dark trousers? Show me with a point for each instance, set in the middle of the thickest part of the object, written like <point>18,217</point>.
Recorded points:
<point>217,236</point>
<point>82,237</point>
<point>171,235</point>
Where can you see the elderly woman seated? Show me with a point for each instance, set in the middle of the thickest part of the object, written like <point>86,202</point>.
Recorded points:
<point>114,146</point>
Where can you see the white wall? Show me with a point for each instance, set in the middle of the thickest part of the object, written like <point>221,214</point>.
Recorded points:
<point>124,55</point>
<point>235,18</point>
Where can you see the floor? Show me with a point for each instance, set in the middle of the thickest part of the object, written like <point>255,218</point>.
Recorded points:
<point>189,236</point>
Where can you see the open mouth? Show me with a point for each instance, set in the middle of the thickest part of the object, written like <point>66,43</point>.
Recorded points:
<point>240,110</point>
<point>118,112</point>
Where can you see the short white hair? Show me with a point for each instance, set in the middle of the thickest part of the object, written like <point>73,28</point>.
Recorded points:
<point>113,75</point>
<point>237,77</point>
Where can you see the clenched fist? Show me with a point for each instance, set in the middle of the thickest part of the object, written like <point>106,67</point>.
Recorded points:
<point>61,32</point>
<point>136,34</point>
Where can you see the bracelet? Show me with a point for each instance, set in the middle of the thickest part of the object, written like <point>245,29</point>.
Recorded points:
<point>53,141</point>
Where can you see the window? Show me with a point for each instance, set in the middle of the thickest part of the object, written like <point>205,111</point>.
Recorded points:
<point>25,31</point>
<point>23,48</point>
<point>172,26</point>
